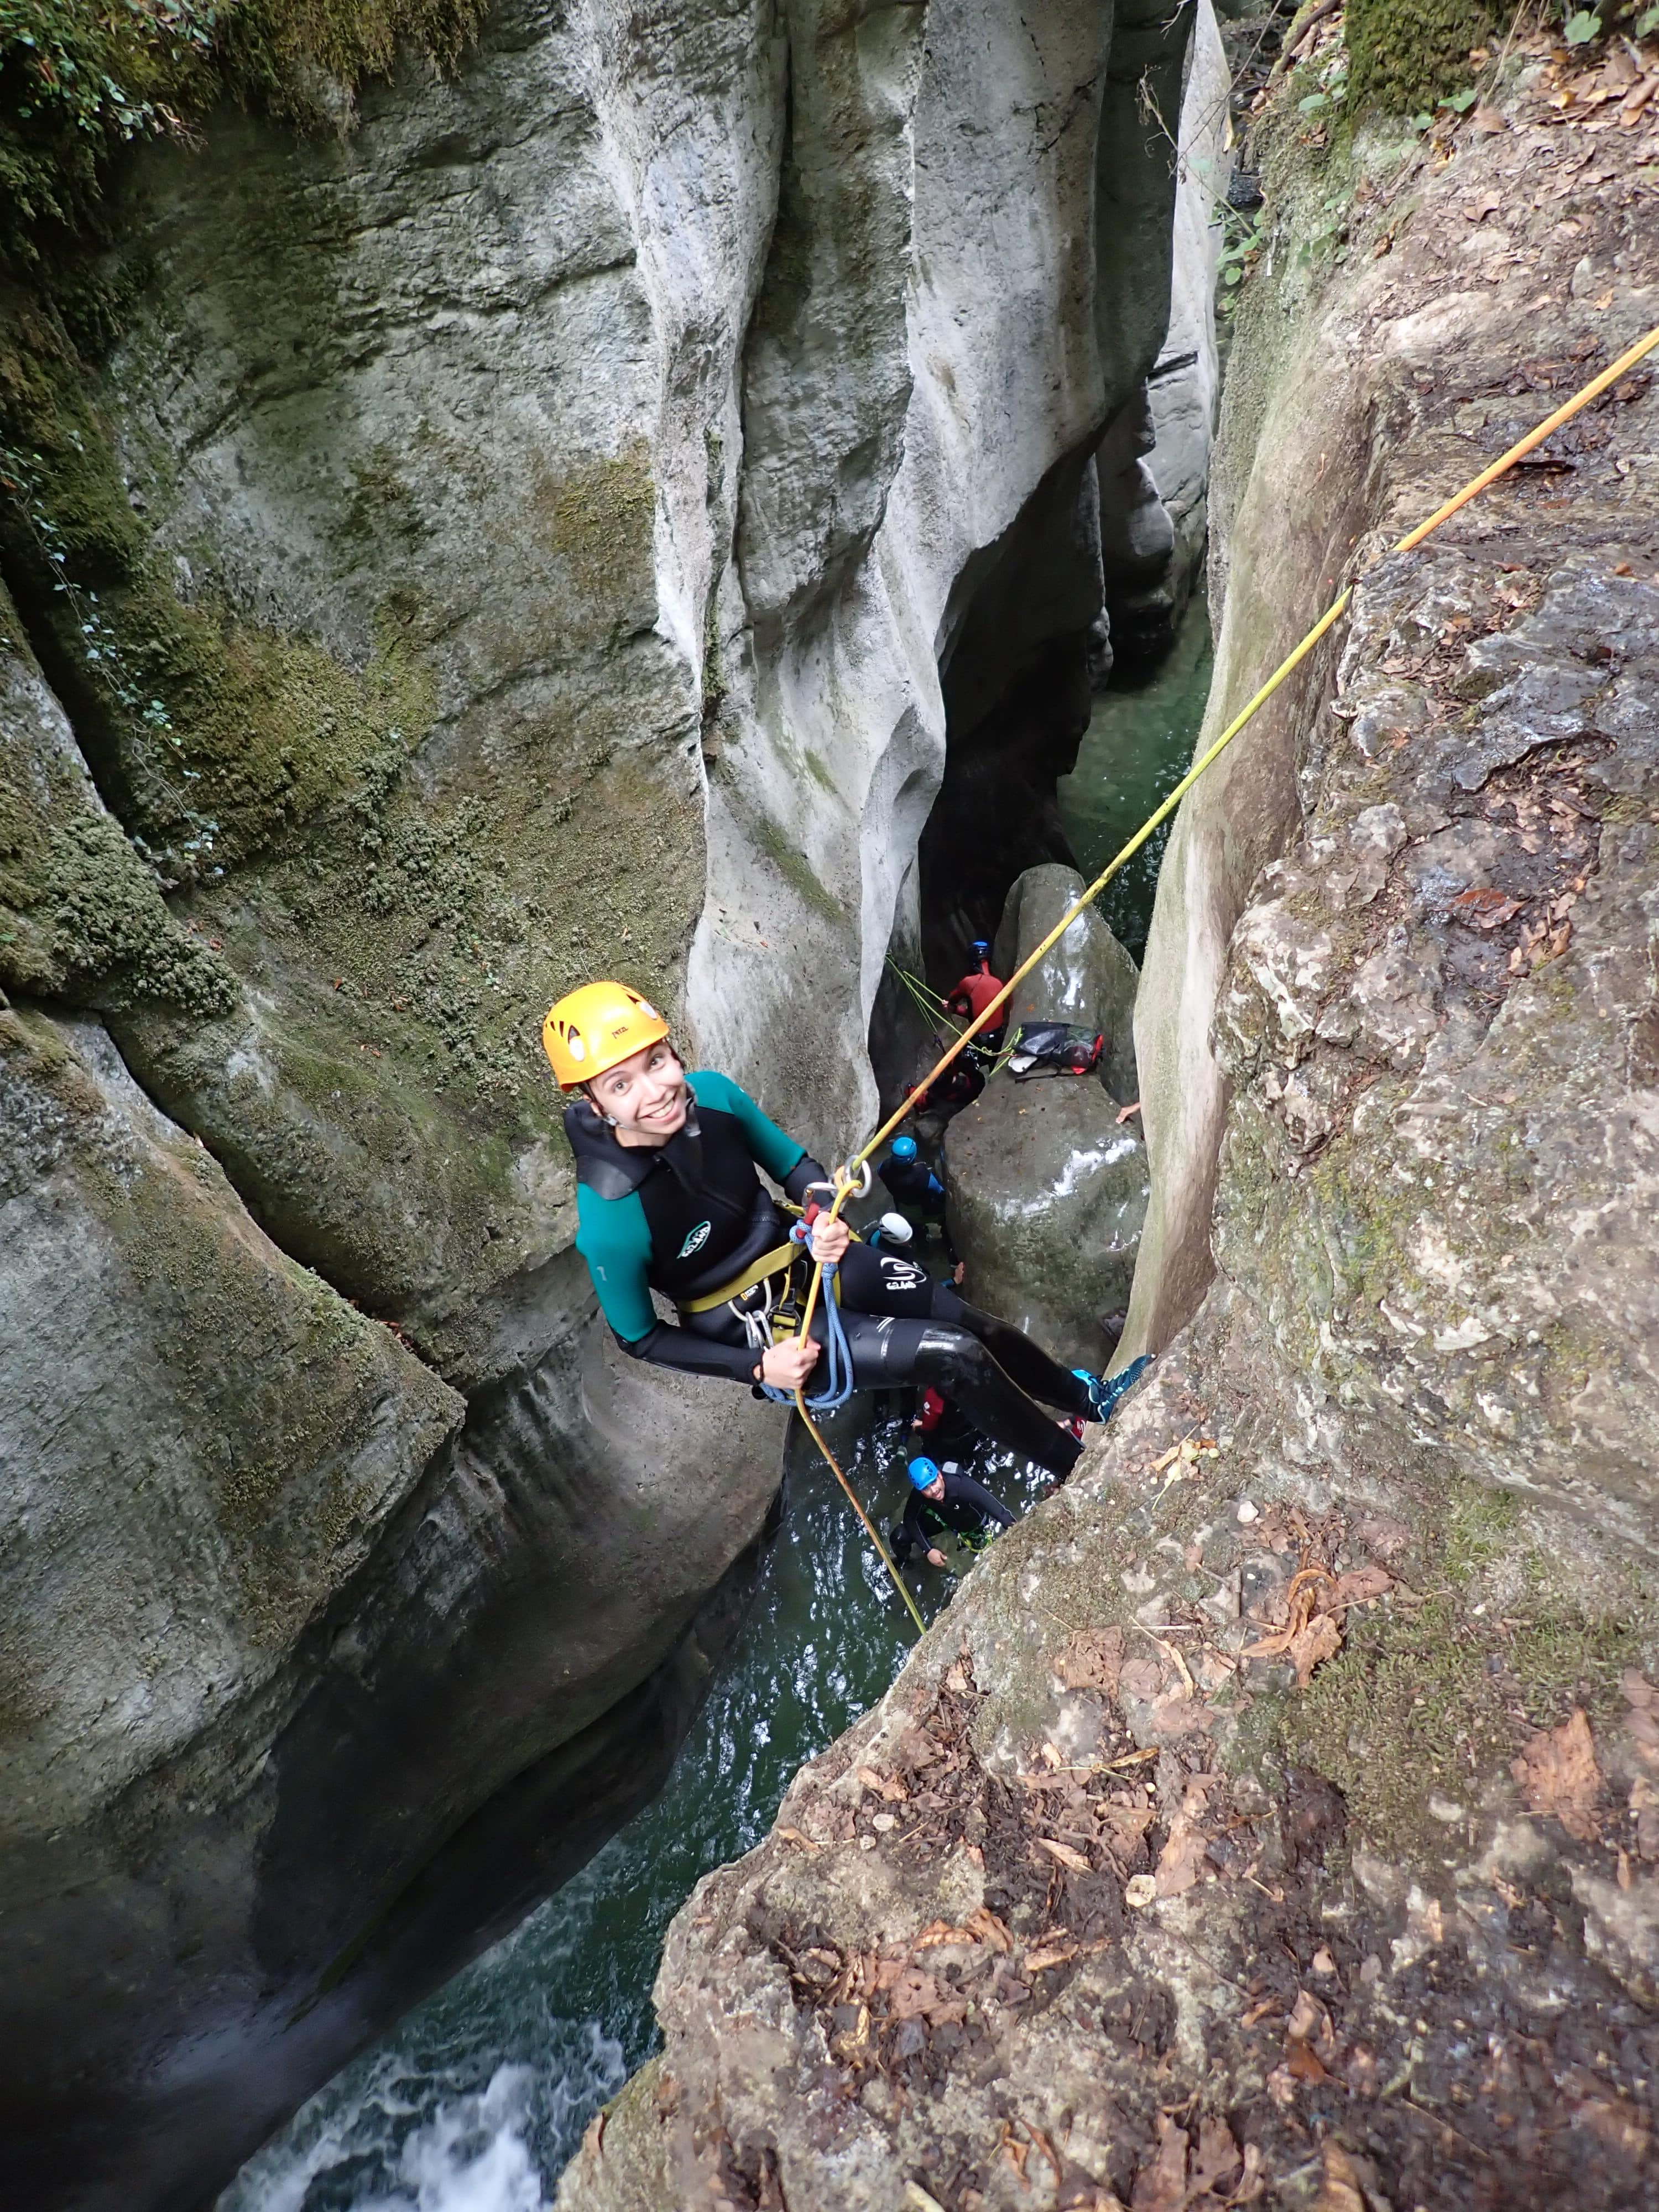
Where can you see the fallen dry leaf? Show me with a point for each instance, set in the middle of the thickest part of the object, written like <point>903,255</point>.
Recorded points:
<point>1310,2051</point>
<point>1182,1858</point>
<point>1311,1633</point>
<point>1304,2063</point>
<point>1484,909</point>
<point>1379,1532</point>
<point>917,1996</point>
<point>940,1931</point>
<point>1064,1853</point>
<point>1053,1955</point>
<point>1339,2185</point>
<point>1360,1585</point>
<point>1214,2161</point>
<point>1092,1660</point>
<point>1320,1639</point>
<point>1558,1775</point>
<point>987,1929</point>
<point>1141,1678</point>
<point>1181,1715</point>
<point>884,1785</point>
<point>1161,2186</point>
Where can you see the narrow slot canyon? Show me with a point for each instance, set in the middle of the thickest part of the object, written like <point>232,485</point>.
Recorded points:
<point>764,502</point>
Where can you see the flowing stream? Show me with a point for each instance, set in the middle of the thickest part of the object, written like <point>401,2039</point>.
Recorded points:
<point>477,2100</point>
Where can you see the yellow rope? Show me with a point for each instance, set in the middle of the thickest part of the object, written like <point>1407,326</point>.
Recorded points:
<point>1551,423</point>
<point>899,1583</point>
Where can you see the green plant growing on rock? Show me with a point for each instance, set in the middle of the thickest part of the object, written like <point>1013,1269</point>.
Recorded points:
<point>81,79</point>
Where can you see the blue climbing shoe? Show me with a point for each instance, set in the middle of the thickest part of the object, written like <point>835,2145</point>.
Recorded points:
<point>1104,1394</point>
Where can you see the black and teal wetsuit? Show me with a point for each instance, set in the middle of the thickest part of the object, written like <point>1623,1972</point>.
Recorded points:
<point>683,1218</point>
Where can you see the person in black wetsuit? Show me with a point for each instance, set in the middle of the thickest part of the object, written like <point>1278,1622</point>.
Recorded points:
<point>911,1181</point>
<point>942,1498</point>
<point>668,1199</point>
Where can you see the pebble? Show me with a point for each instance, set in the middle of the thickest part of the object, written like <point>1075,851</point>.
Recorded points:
<point>1247,1512</point>
<point>1139,1891</point>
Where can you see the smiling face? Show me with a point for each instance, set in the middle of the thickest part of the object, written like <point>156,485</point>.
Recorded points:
<point>935,1489</point>
<point>645,1095</point>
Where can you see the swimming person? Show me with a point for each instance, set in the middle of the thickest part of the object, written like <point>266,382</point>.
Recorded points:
<point>669,1199</point>
<point>941,1498</point>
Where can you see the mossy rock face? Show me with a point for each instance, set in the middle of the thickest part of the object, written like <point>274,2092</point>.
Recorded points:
<point>178,1372</point>
<point>378,707</point>
<point>81,915</point>
<point>1408,54</point>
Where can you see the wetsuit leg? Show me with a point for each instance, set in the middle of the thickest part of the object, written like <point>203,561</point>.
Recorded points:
<point>886,1349</point>
<point>1028,1363</point>
<point>883,1283</point>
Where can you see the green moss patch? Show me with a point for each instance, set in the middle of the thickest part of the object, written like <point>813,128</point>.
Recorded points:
<point>1424,1699</point>
<point>213,738</point>
<point>1406,54</point>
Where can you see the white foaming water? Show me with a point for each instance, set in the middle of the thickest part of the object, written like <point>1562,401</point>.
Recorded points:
<point>473,2156</point>
<point>384,2138</point>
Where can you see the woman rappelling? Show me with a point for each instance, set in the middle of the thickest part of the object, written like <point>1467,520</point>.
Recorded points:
<point>669,1199</point>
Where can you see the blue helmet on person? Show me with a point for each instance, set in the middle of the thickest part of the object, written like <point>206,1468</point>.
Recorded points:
<point>922,1473</point>
<point>981,945</point>
<point>904,1148</point>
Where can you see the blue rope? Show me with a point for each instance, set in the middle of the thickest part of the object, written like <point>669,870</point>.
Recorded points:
<point>838,1383</point>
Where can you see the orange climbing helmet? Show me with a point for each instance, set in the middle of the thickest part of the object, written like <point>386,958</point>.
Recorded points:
<point>591,1029</point>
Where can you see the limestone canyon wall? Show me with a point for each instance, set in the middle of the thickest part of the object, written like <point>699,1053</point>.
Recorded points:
<point>511,533</point>
<point>1272,1816</point>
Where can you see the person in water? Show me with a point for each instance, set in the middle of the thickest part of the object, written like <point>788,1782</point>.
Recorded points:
<point>941,1498</point>
<point>911,1181</point>
<point>668,1199</point>
<point>943,1428</point>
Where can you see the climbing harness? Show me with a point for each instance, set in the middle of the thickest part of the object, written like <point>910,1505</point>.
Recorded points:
<point>847,1187</point>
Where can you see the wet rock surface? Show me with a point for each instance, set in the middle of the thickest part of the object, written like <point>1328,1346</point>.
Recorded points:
<point>1272,1817</point>
<point>512,536</point>
<point>1045,1194</point>
<point>1087,979</point>
<point>319,1674</point>
<point>1213,1846</point>
<point>1463,319</point>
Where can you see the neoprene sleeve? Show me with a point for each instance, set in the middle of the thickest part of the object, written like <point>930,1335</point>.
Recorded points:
<point>693,1354</point>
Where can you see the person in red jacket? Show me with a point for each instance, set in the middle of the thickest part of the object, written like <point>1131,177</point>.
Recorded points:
<point>972,994</point>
